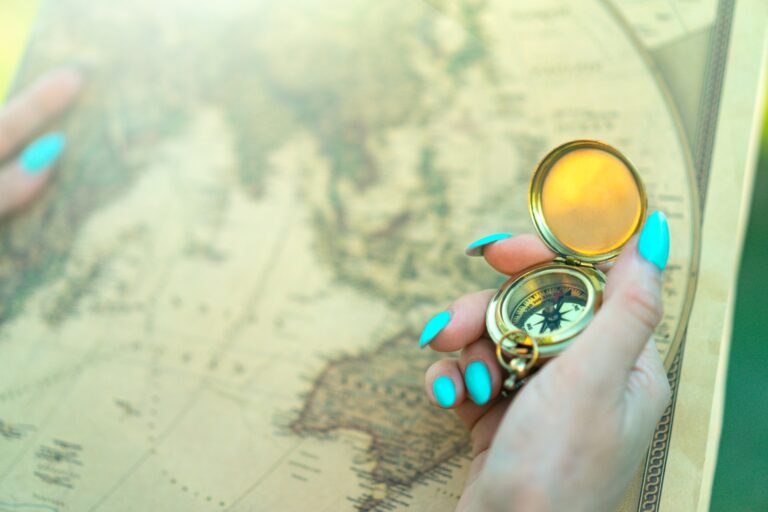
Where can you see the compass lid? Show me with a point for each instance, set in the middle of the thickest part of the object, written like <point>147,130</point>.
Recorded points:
<point>586,200</point>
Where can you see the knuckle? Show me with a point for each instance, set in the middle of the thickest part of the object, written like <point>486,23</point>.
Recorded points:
<point>644,305</point>
<point>656,389</point>
<point>661,392</point>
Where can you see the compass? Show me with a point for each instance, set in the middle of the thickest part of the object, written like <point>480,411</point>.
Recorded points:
<point>550,309</point>
<point>586,201</point>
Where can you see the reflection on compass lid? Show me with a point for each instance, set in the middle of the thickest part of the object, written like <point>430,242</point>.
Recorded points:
<point>589,200</point>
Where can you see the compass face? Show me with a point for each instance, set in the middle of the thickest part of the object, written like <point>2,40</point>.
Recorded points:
<point>552,302</point>
<point>549,309</point>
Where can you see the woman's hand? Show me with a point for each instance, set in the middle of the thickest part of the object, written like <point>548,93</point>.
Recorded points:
<point>574,436</point>
<point>26,165</point>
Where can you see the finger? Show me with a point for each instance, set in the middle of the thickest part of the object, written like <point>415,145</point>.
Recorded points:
<point>459,325</point>
<point>481,370</point>
<point>482,382</point>
<point>23,179</point>
<point>511,255</point>
<point>481,420</point>
<point>464,321</point>
<point>617,279</point>
<point>483,427</point>
<point>648,388</point>
<point>444,385</point>
<point>632,309</point>
<point>26,114</point>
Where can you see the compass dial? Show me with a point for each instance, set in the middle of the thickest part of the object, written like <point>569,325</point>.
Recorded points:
<point>552,302</point>
<point>549,309</point>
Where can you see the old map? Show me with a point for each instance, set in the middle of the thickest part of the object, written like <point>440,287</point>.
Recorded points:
<point>216,305</point>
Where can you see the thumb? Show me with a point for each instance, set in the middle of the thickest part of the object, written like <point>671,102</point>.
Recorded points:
<point>631,310</point>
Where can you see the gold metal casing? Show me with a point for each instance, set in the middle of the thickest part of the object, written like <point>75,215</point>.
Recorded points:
<point>497,317</point>
<point>586,200</point>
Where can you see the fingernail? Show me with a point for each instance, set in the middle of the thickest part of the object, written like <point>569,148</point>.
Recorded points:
<point>444,390</point>
<point>39,155</point>
<point>478,380</point>
<point>434,326</point>
<point>476,247</point>
<point>654,240</point>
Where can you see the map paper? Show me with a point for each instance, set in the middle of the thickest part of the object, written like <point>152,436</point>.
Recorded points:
<point>216,305</point>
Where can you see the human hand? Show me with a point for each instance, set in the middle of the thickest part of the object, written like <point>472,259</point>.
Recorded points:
<point>23,177</point>
<point>573,437</point>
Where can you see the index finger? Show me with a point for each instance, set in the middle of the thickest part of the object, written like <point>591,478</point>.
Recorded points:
<point>511,255</point>
<point>27,113</point>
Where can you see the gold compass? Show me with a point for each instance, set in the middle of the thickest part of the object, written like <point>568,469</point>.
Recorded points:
<point>586,200</point>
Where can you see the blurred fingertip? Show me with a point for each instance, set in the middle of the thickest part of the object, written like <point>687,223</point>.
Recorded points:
<point>42,153</point>
<point>71,76</point>
<point>477,247</point>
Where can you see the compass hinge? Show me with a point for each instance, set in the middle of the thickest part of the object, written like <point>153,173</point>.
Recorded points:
<point>570,260</point>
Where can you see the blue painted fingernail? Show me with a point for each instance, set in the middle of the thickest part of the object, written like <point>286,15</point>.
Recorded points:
<point>434,326</point>
<point>476,247</point>
<point>478,380</point>
<point>654,240</point>
<point>444,390</point>
<point>39,155</point>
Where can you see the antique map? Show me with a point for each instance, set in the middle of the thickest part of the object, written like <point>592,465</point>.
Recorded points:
<point>216,305</point>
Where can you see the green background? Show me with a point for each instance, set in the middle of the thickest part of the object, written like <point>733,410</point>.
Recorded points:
<point>741,478</point>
